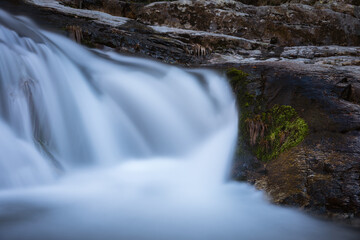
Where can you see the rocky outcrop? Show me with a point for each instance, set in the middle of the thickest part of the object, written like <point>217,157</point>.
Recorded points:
<point>288,23</point>
<point>322,174</point>
<point>189,47</point>
<point>285,25</point>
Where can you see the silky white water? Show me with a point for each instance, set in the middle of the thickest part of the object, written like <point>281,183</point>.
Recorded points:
<point>95,145</point>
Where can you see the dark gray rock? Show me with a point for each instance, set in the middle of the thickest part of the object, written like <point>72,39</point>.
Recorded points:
<point>321,174</point>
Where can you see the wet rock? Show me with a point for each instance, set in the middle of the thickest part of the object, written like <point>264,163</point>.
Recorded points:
<point>321,175</point>
<point>352,93</point>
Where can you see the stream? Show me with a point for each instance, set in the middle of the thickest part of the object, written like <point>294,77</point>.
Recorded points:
<point>96,145</point>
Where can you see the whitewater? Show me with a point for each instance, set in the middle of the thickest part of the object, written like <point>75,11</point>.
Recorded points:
<point>96,145</point>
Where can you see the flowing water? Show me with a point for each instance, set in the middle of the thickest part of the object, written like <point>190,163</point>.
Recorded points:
<point>95,145</point>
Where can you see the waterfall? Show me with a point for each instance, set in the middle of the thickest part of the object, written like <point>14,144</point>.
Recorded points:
<point>69,108</point>
<point>95,145</point>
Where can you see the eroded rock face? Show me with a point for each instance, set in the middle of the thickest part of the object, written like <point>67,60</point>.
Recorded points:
<point>285,25</point>
<point>282,22</point>
<point>322,174</point>
<point>223,44</point>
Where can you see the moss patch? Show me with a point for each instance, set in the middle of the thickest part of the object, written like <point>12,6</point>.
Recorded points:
<point>276,130</point>
<point>266,132</point>
<point>236,77</point>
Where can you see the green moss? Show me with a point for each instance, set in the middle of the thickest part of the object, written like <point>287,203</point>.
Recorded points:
<point>236,77</point>
<point>238,81</point>
<point>284,129</point>
<point>266,132</point>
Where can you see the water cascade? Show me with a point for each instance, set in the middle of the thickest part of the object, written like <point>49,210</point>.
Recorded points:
<point>95,145</point>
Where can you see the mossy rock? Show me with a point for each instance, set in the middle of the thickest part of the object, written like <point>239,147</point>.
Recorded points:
<point>266,132</point>
<point>236,77</point>
<point>275,131</point>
